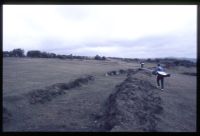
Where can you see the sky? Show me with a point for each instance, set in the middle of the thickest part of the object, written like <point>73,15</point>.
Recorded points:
<point>127,31</point>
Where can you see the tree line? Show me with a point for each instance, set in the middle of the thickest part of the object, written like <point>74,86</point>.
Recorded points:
<point>171,62</point>
<point>39,54</point>
<point>168,62</point>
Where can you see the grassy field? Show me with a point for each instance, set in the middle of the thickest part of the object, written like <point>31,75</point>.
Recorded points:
<point>22,75</point>
<point>79,108</point>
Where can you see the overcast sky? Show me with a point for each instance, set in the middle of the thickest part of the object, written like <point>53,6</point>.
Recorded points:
<point>128,31</point>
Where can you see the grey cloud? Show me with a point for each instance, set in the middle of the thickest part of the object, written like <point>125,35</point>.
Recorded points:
<point>88,31</point>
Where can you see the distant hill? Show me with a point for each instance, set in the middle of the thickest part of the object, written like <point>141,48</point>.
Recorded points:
<point>189,59</point>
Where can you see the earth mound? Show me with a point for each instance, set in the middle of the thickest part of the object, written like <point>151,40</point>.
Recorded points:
<point>133,106</point>
<point>121,71</point>
<point>46,94</point>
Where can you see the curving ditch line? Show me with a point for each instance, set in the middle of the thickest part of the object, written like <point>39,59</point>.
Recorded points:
<point>133,105</point>
<point>120,72</point>
<point>47,94</point>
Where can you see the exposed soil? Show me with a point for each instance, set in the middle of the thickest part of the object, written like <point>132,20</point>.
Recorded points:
<point>134,105</point>
<point>45,95</point>
<point>119,72</point>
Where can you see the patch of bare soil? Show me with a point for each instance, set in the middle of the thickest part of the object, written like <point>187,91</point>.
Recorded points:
<point>133,106</point>
<point>44,95</point>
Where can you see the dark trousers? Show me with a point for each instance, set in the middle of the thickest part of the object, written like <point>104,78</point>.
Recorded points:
<point>160,78</point>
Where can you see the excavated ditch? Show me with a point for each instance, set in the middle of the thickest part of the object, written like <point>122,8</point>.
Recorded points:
<point>120,72</point>
<point>48,93</point>
<point>133,106</point>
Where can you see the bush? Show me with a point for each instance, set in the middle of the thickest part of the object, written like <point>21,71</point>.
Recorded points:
<point>149,60</point>
<point>70,56</point>
<point>14,53</point>
<point>61,56</point>
<point>97,57</point>
<point>157,60</point>
<point>34,54</point>
<point>52,55</point>
<point>17,53</point>
<point>45,55</point>
<point>176,62</point>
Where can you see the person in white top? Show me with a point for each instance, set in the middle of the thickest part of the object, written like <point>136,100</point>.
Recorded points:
<point>142,65</point>
<point>160,77</point>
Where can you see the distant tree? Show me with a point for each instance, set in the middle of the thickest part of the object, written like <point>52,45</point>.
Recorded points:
<point>148,60</point>
<point>77,57</point>
<point>97,57</point>
<point>17,53</point>
<point>6,54</point>
<point>34,54</point>
<point>70,56</point>
<point>44,55</point>
<point>157,60</point>
<point>103,58</point>
<point>52,55</point>
<point>176,62</point>
<point>135,59</point>
<point>187,63</point>
<point>61,56</point>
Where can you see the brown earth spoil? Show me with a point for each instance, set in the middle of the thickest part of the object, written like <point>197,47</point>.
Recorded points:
<point>44,95</point>
<point>119,72</point>
<point>133,106</point>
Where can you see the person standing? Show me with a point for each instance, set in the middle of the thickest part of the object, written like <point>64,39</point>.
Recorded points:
<point>160,78</point>
<point>141,65</point>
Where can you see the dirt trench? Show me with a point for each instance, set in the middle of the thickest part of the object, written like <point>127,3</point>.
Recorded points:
<point>120,72</point>
<point>133,106</point>
<point>47,94</point>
